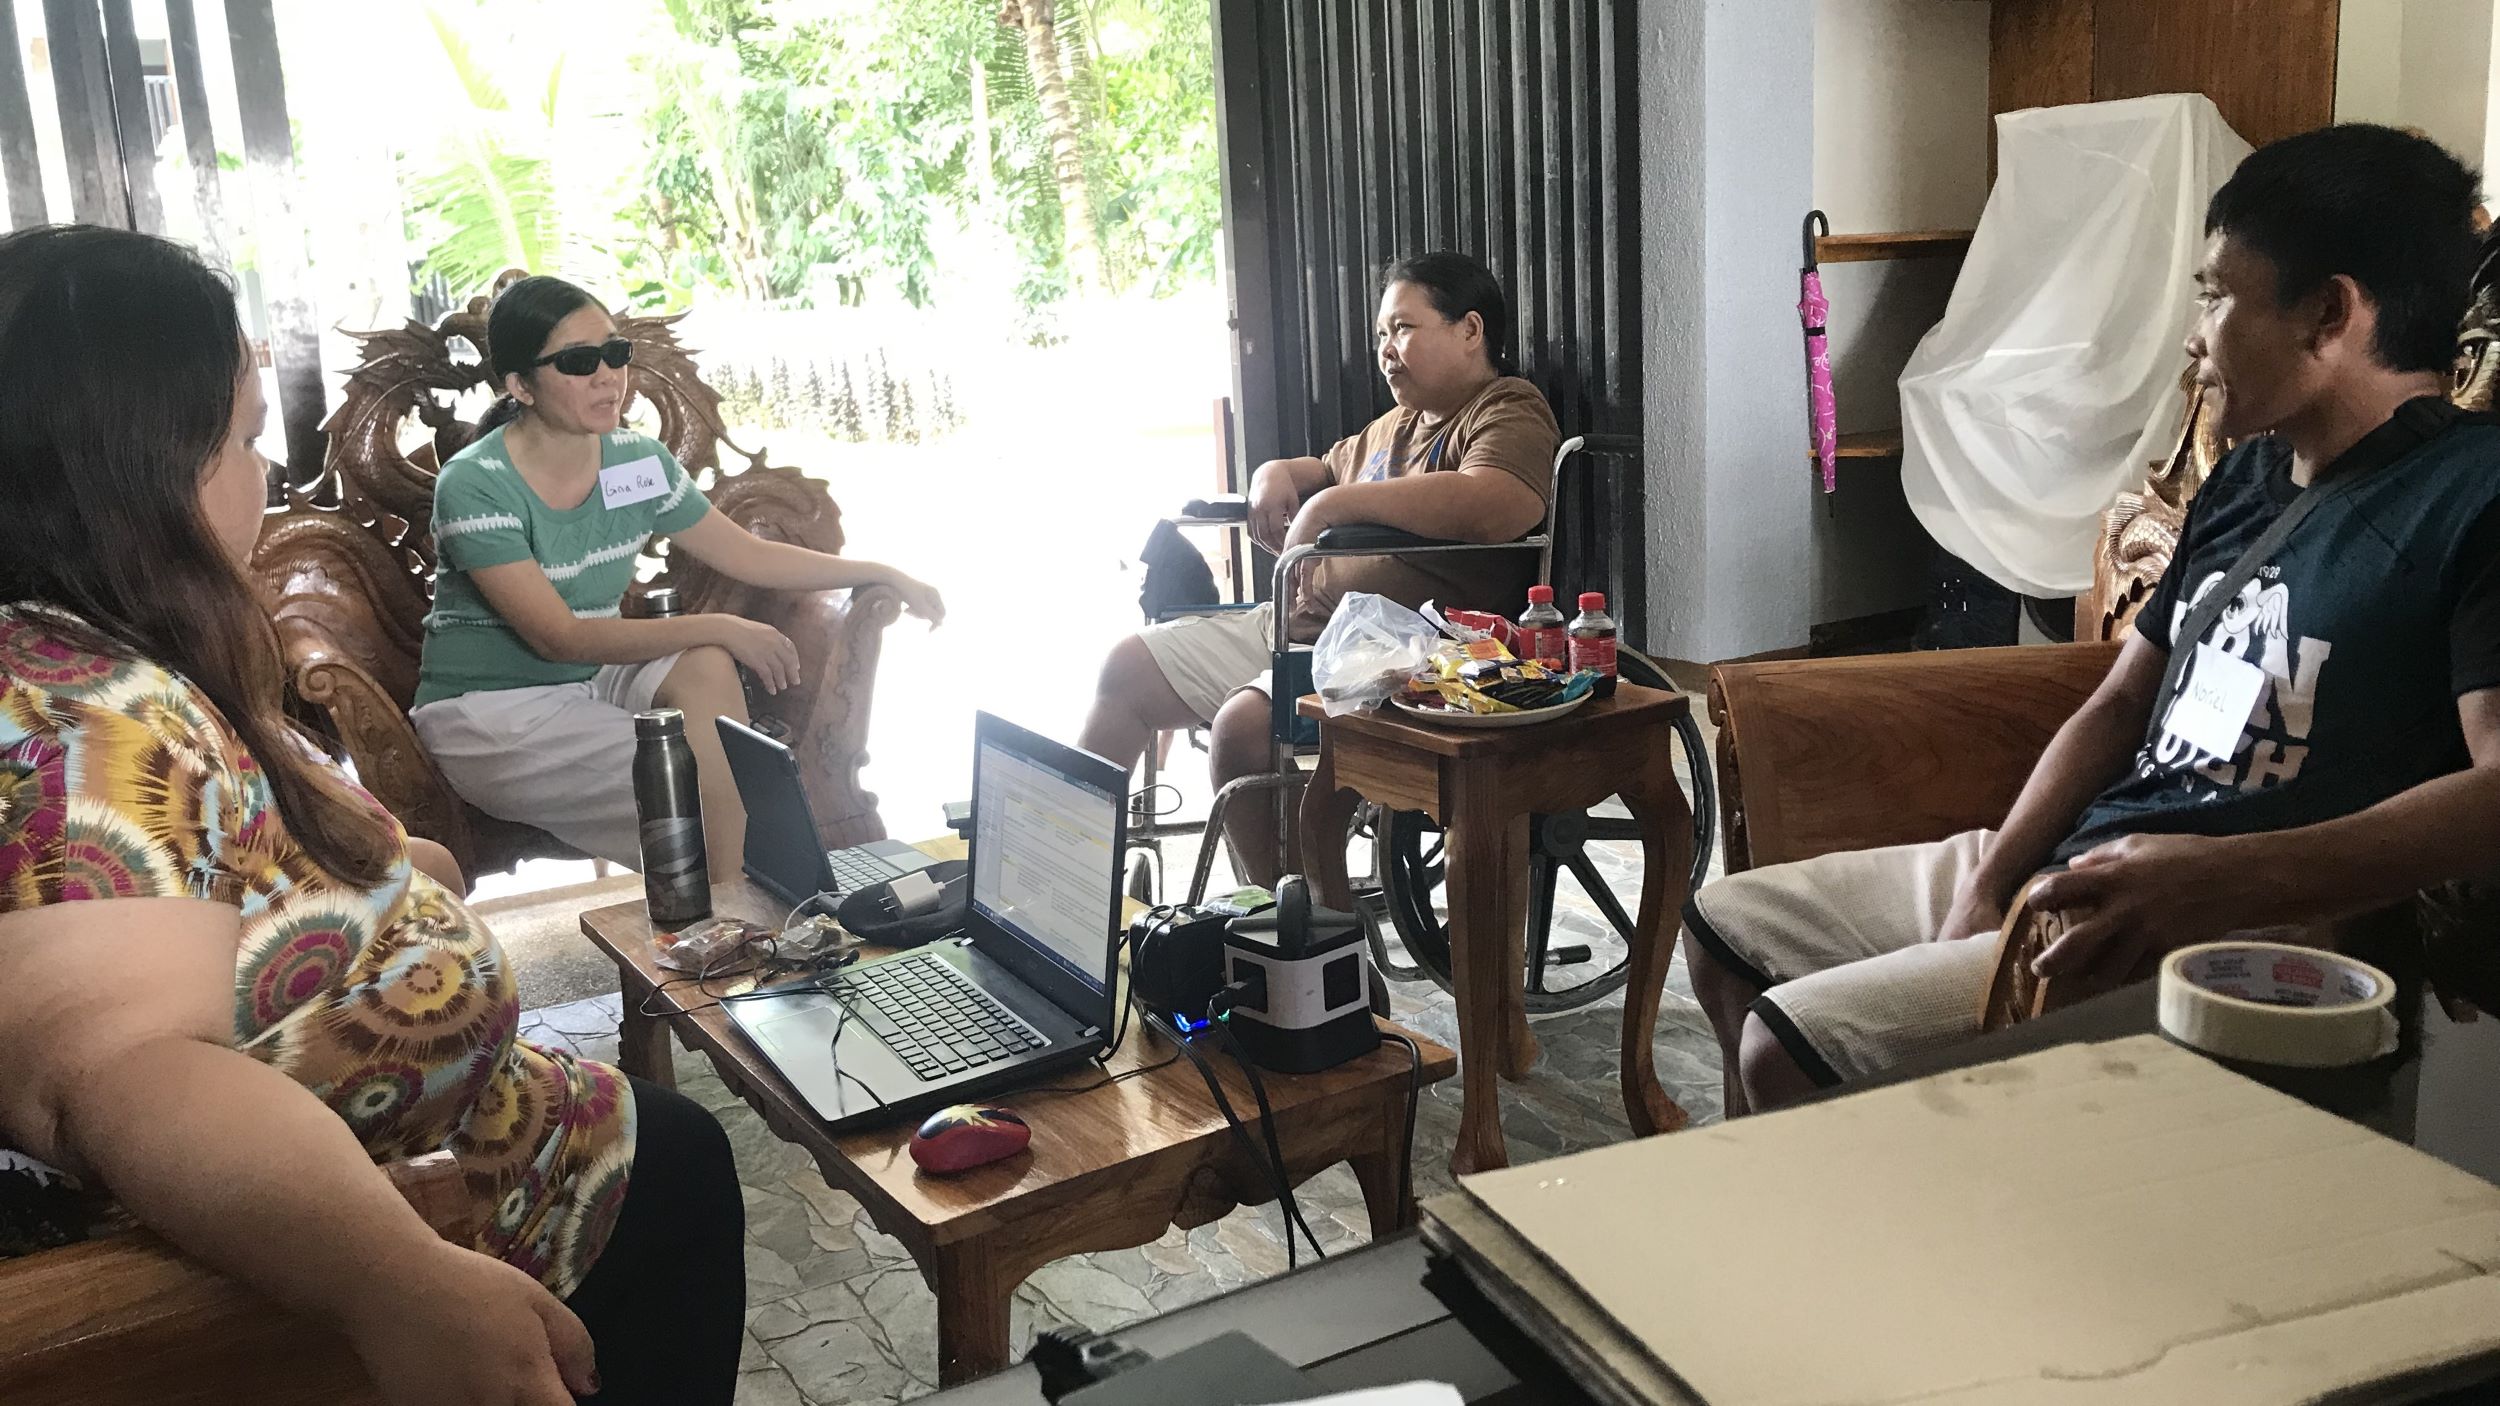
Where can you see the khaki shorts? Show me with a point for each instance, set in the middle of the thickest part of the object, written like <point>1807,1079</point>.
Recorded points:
<point>1209,658</point>
<point>1857,974</point>
<point>559,756</point>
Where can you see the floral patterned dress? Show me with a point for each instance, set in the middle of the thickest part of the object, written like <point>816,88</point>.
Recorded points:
<point>392,1004</point>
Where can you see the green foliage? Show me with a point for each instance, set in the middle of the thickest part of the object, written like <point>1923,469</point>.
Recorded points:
<point>493,211</point>
<point>1161,211</point>
<point>821,151</point>
<point>485,201</point>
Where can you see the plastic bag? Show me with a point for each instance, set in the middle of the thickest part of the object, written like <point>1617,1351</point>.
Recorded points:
<point>714,948</point>
<point>1371,647</point>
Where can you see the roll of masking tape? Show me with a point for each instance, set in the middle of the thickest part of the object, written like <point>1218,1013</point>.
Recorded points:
<point>2271,1004</point>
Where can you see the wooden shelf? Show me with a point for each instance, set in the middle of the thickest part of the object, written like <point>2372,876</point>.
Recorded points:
<point>1912,244</point>
<point>1868,444</point>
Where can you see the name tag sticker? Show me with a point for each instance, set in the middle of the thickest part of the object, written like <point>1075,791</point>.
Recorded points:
<point>640,481</point>
<point>2213,708</point>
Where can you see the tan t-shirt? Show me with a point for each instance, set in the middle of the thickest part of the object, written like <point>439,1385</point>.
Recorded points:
<point>1508,427</point>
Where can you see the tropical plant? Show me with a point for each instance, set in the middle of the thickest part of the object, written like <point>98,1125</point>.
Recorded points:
<point>831,151</point>
<point>484,201</point>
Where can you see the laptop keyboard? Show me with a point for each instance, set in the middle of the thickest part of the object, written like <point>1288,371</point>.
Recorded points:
<point>939,1023</point>
<point>854,870</point>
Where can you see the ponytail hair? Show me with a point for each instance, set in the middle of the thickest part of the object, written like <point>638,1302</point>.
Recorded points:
<point>503,412</point>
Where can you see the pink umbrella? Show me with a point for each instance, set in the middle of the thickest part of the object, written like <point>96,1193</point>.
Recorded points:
<point>1821,410</point>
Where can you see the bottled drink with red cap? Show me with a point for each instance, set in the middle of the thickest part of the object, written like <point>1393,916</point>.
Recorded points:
<point>1542,637</point>
<point>1593,641</point>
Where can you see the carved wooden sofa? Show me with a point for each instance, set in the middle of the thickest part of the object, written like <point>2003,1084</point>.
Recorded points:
<point>1823,755</point>
<point>346,569</point>
<point>124,1319</point>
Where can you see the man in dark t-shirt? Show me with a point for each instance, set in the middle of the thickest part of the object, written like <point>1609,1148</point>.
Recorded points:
<point>2331,745</point>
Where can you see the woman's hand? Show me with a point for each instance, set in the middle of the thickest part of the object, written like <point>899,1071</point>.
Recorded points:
<point>462,1329</point>
<point>766,652</point>
<point>920,599</point>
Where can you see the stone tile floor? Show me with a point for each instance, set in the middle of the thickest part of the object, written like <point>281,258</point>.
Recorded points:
<point>837,1312</point>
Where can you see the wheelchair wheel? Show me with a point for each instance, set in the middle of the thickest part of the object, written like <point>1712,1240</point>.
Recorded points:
<point>1577,952</point>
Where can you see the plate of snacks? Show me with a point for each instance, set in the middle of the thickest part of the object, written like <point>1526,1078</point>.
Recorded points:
<point>1478,684</point>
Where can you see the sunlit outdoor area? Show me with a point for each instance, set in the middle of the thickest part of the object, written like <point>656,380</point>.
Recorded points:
<point>957,262</point>
<point>962,270</point>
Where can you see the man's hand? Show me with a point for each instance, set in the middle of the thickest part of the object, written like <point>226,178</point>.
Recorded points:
<point>1273,502</point>
<point>2131,902</point>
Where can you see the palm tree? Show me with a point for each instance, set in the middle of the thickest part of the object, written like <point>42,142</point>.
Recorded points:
<point>490,198</point>
<point>1039,22</point>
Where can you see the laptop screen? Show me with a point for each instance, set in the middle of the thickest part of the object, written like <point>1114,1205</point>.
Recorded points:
<point>1046,853</point>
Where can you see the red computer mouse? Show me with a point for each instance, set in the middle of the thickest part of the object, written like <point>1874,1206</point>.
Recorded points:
<point>968,1135</point>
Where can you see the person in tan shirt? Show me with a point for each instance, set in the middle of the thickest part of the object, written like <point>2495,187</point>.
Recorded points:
<point>1467,456</point>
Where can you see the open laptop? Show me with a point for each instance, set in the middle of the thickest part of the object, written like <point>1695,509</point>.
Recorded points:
<point>1024,989</point>
<point>782,855</point>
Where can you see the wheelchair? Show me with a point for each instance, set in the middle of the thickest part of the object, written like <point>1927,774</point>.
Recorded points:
<point>1573,959</point>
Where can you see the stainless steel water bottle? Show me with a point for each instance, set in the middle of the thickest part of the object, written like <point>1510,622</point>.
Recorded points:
<point>662,603</point>
<point>676,874</point>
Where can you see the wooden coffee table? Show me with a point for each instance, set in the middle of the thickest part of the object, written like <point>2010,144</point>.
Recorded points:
<point>1109,1169</point>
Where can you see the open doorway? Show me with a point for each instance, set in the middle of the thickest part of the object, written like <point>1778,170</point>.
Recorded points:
<point>959,261</point>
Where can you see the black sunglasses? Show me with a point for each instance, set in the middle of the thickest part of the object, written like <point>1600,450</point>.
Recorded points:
<point>582,361</point>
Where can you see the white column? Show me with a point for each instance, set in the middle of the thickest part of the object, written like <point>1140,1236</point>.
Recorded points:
<point>1727,157</point>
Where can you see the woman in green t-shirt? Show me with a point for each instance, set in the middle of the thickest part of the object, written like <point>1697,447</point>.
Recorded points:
<point>531,676</point>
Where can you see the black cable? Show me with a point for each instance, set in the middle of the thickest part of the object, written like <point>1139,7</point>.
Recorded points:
<point>1105,1081</point>
<point>1414,1104</point>
<point>1122,999</point>
<point>1151,813</point>
<point>1291,1206</point>
<point>702,981</point>
<point>1232,1120</point>
<point>805,982</point>
<point>842,1018</point>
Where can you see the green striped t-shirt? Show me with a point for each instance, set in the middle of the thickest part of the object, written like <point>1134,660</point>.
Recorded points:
<point>486,515</point>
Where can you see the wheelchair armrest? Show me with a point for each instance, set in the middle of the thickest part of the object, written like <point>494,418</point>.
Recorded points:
<point>1372,537</point>
<point>1220,608</point>
<point>1368,537</point>
<point>1230,507</point>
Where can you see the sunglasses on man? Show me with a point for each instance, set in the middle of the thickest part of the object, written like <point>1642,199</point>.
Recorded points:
<point>582,361</point>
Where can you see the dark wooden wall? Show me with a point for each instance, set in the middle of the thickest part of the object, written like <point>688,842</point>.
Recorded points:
<point>2269,65</point>
<point>1355,131</point>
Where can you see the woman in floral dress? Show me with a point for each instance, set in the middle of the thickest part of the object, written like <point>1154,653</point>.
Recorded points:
<point>230,984</point>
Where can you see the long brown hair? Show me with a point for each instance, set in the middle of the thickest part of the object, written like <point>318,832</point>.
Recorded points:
<point>120,358</point>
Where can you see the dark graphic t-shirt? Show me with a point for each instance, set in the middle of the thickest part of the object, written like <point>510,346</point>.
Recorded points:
<point>2368,623</point>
